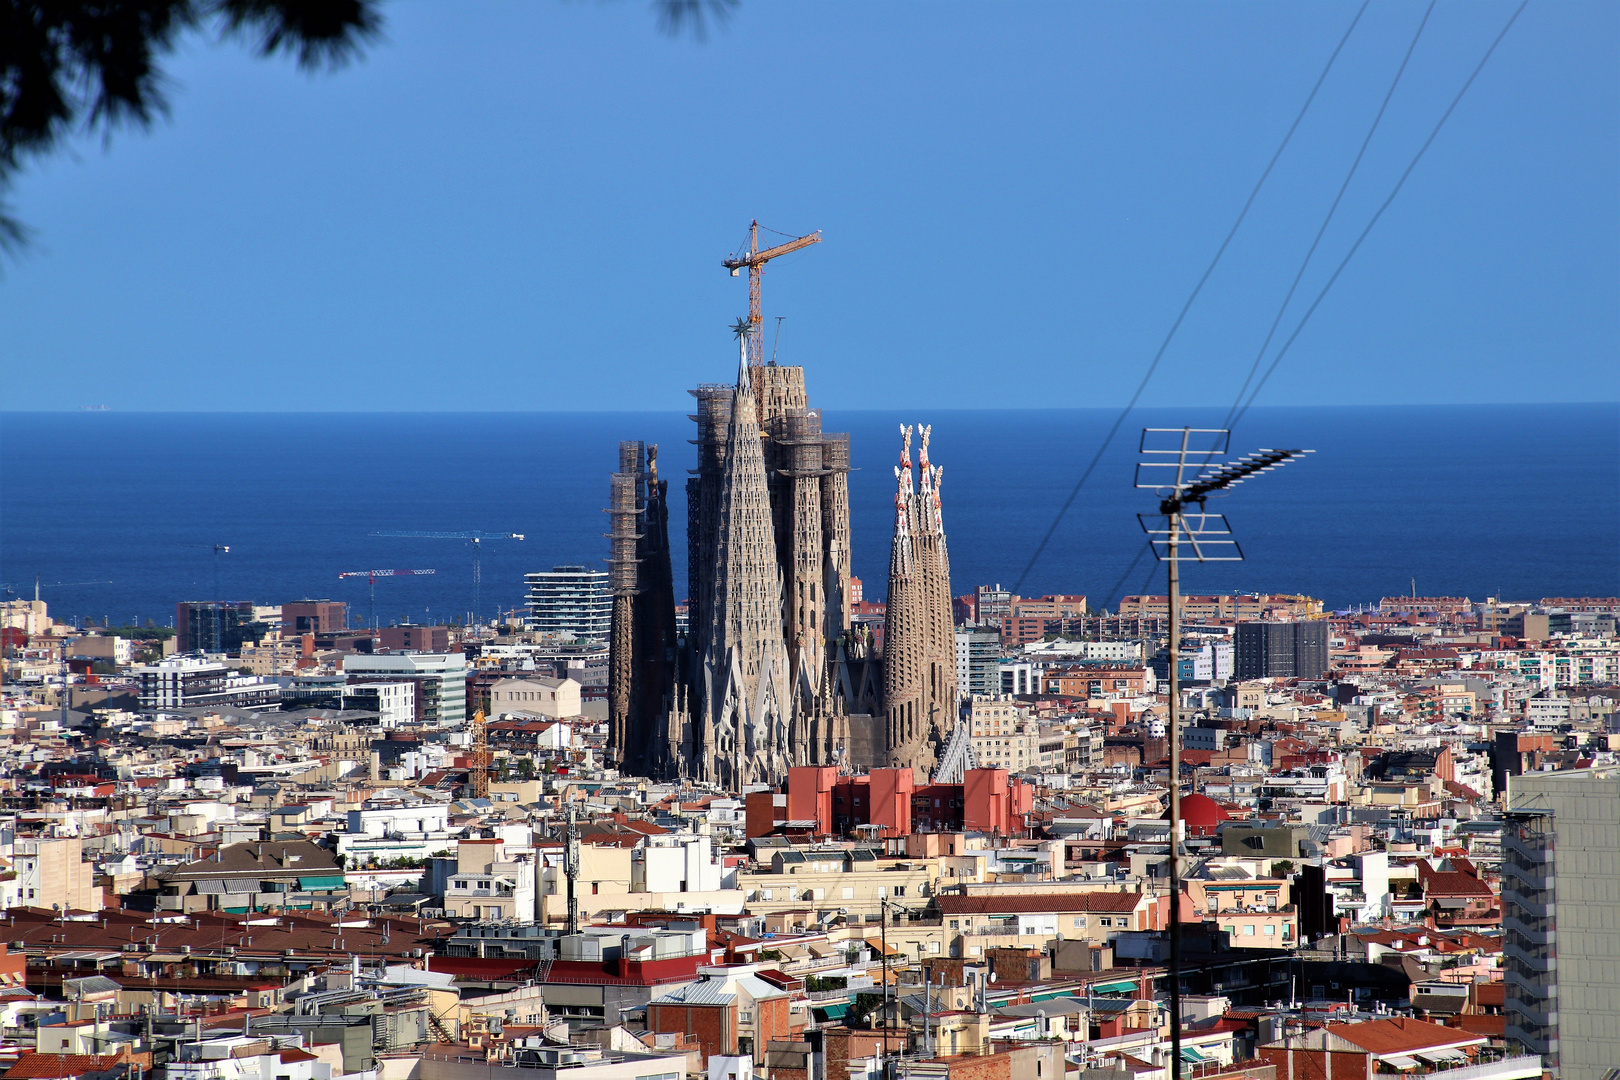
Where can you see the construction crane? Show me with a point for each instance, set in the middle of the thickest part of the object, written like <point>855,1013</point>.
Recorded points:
<point>480,756</point>
<point>473,537</point>
<point>371,577</point>
<point>755,260</point>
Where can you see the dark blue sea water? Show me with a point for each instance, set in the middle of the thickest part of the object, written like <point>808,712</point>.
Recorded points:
<point>1520,501</point>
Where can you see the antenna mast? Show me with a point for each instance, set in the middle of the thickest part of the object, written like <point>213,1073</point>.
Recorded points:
<point>571,870</point>
<point>1176,535</point>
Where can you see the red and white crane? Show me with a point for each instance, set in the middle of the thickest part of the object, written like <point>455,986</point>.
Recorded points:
<point>371,577</point>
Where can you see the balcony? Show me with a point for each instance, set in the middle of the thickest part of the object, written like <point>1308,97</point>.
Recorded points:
<point>1508,1068</point>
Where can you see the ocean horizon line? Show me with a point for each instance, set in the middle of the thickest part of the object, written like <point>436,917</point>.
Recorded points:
<point>1108,409</point>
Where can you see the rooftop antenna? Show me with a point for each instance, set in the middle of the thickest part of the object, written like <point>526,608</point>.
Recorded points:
<point>1168,466</point>
<point>571,871</point>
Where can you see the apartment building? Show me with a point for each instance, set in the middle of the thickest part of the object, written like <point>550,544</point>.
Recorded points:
<point>441,682</point>
<point>1561,943</point>
<point>570,602</point>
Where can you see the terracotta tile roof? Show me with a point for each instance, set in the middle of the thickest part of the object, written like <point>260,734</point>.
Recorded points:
<point>58,1066</point>
<point>1018,903</point>
<point>1401,1035</point>
<point>1450,882</point>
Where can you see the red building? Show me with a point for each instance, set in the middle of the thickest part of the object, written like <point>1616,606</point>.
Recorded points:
<point>987,801</point>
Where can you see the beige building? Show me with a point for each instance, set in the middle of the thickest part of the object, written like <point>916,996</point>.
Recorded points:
<point>1032,919</point>
<point>839,882</point>
<point>535,694</point>
<point>1003,736</point>
<point>489,883</point>
<point>52,873</point>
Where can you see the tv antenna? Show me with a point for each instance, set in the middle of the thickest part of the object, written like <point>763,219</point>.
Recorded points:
<point>1179,463</point>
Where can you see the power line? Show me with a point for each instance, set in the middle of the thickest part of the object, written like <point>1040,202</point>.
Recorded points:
<point>1379,212</point>
<point>1198,288</point>
<point>1108,597</point>
<point>1333,209</point>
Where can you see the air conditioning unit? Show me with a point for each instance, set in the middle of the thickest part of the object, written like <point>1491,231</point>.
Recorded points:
<point>185,950</point>
<point>417,953</point>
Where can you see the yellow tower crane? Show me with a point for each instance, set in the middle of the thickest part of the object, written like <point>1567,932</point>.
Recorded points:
<point>755,260</point>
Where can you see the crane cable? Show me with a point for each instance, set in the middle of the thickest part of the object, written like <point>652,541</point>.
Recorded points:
<point>1332,209</point>
<point>1198,288</point>
<point>1396,190</point>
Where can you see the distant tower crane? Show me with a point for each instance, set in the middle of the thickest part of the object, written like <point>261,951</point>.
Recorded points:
<point>474,537</point>
<point>371,577</point>
<point>755,260</point>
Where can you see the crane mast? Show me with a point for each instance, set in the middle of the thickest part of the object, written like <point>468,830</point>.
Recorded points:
<point>755,259</point>
<point>480,756</point>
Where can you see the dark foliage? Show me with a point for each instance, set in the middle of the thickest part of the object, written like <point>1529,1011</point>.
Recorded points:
<point>95,64</point>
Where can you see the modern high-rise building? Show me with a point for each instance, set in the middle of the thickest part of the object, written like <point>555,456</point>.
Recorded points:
<point>212,626</point>
<point>1561,920</point>
<point>978,661</point>
<point>1280,650</point>
<point>572,602</point>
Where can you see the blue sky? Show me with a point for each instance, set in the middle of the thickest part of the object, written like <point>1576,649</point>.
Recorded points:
<point>524,206</point>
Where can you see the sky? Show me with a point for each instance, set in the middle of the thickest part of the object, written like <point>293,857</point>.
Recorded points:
<point>525,206</point>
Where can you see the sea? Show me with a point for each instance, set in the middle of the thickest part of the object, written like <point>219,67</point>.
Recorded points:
<point>118,515</point>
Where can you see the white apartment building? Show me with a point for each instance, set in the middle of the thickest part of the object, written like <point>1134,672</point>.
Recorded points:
<point>676,863</point>
<point>440,680</point>
<point>393,702</point>
<point>192,682</point>
<point>570,602</point>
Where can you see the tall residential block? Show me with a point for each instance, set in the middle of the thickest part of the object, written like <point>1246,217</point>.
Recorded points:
<point>313,617</point>
<point>978,661</point>
<point>1280,650</point>
<point>1561,919</point>
<point>571,602</point>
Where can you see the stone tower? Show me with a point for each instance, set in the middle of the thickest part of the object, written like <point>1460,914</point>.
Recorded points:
<point>642,649</point>
<point>747,694</point>
<point>919,641</point>
<point>770,496</point>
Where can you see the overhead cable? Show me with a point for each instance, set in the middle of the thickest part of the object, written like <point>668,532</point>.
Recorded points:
<point>1379,213</point>
<point>1354,165</point>
<point>1175,326</point>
